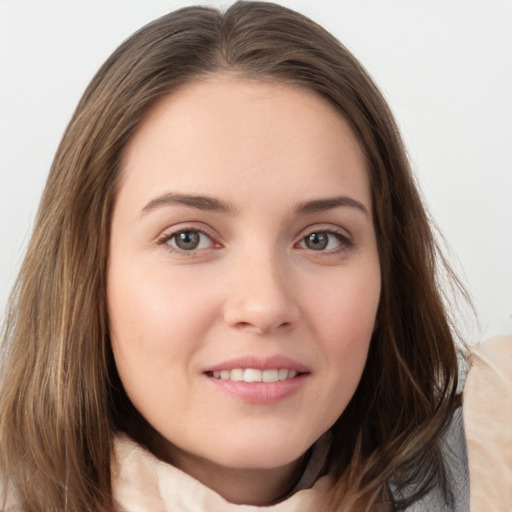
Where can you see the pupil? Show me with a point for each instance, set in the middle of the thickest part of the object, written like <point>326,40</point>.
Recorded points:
<point>317,241</point>
<point>187,240</point>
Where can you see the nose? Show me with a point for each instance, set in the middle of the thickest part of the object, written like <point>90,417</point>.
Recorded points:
<point>261,296</point>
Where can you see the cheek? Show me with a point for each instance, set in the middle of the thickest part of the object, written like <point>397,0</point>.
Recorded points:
<point>344,319</point>
<point>345,350</point>
<point>156,325</point>
<point>345,309</point>
<point>151,307</point>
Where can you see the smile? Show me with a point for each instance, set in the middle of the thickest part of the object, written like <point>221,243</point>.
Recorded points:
<point>259,380</point>
<point>255,375</point>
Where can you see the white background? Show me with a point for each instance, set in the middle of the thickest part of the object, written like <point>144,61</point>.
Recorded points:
<point>445,67</point>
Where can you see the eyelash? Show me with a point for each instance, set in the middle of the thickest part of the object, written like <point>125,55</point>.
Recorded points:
<point>167,237</point>
<point>345,242</point>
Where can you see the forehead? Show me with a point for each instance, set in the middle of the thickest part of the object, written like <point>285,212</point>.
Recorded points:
<point>226,135</point>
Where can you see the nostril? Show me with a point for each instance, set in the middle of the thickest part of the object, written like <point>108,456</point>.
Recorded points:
<point>261,328</point>
<point>260,316</point>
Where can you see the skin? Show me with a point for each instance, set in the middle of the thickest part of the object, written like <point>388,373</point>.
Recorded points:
<point>253,286</point>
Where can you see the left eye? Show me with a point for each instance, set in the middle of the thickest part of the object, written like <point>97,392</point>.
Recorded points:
<point>321,241</point>
<point>189,240</point>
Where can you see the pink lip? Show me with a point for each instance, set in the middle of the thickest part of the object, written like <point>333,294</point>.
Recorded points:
<point>259,363</point>
<point>260,392</point>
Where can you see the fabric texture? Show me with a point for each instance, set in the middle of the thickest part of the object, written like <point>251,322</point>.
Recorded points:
<point>142,483</point>
<point>488,419</point>
<point>453,449</point>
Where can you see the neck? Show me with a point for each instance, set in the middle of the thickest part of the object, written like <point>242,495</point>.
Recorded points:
<point>247,486</point>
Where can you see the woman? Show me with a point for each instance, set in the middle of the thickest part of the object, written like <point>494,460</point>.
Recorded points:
<point>201,255</point>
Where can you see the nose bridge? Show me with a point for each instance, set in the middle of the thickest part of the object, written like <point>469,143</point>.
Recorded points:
<point>260,295</point>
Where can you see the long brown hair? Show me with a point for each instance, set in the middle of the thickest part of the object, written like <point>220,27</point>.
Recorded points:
<point>61,400</point>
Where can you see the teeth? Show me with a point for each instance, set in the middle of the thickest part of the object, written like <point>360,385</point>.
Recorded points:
<point>237,374</point>
<point>282,374</point>
<point>254,375</point>
<point>269,375</point>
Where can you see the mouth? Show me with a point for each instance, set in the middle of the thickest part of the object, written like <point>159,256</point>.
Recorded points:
<point>255,374</point>
<point>259,380</point>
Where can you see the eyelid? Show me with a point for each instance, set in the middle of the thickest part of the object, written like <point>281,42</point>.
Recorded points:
<point>325,228</point>
<point>172,231</point>
<point>346,239</point>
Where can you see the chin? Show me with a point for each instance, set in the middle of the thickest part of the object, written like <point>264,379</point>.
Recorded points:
<point>261,453</point>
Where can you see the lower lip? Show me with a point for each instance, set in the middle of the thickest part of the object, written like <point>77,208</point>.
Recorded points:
<point>260,392</point>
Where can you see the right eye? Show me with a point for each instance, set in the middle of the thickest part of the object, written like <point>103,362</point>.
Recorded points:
<point>188,240</point>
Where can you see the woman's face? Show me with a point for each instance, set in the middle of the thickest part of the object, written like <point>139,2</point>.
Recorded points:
<point>243,278</point>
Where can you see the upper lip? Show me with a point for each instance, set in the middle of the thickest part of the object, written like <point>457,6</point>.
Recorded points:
<point>260,363</point>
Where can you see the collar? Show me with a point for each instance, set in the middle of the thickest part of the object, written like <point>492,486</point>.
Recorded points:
<point>141,482</point>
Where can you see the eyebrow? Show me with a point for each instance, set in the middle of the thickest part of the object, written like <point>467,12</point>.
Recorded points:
<point>207,203</point>
<point>320,205</point>
<point>200,202</point>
